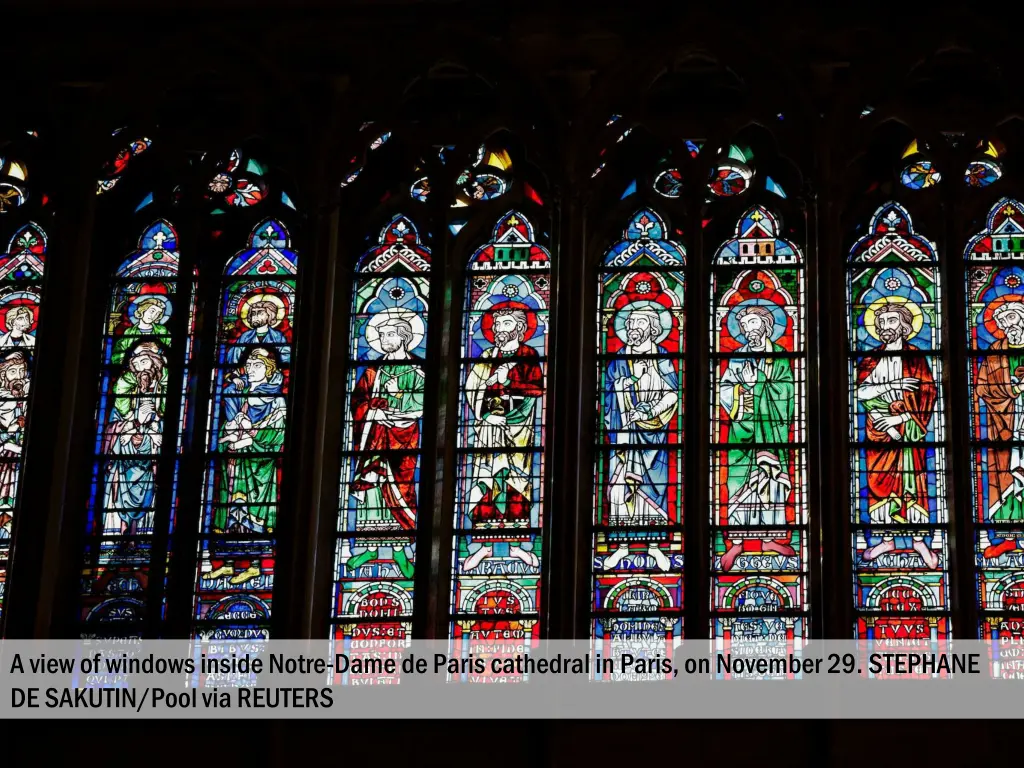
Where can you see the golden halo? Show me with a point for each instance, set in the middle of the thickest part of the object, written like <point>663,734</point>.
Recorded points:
<point>869,314</point>
<point>274,299</point>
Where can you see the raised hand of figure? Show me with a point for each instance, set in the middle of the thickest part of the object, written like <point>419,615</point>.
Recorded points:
<point>503,372</point>
<point>888,422</point>
<point>907,384</point>
<point>749,373</point>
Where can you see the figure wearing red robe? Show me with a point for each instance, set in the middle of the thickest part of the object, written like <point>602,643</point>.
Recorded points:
<point>387,405</point>
<point>898,394</point>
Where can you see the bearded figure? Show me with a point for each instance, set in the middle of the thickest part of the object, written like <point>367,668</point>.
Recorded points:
<point>756,395</point>
<point>637,413</point>
<point>898,393</point>
<point>261,319</point>
<point>1001,388</point>
<point>502,391</point>
<point>14,387</point>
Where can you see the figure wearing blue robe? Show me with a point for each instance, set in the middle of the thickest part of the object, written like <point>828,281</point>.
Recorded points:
<point>637,412</point>
<point>270,338</point>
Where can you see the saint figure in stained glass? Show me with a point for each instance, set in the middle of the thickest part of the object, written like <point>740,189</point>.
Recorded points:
<point>759,517</point>
<point>637,579</point>
<point>898,394</point>
<point>254,418</point>
<point>1001,388</point>
<point>246,435</point>
<point>375,549</point>
<point>14,387</point>
<point>502,391</point>
<point>387,406</point>
<point>756,392</point>
<point>134,435</point>
<point>995,324</point>
<point>498,545</point>
<point>148,315</point>
<point>639,408</point>
<point>898,501</point>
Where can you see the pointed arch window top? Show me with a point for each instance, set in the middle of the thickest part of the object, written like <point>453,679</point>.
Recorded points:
<point>399,249</point>
<point>891,237</point>
<point>399,230</point>
<point>268,253</point>
<point>757,241</point>
<point>157,255</point>
<point>25,255</point>
<point>643,244</point>
<point>269,234</point>
<point>645,225</point>
<point>513,227</point>
<point>511,247</point>
<point>159,236</point>
<point>1003,236</point>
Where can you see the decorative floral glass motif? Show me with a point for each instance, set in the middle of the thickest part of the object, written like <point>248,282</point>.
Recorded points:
<point>759,519</point>
<point>995,325</point>
<point>499,497</point>
<point>375,555</point>
<point>236,185</point>
<point>139,419</point>
<point>250,399</point>
<point>637,589</point>
<point>898,455</point>
<point>21,283</point>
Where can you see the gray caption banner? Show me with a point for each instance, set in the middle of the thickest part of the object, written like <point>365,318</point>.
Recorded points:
<point>474,679</point>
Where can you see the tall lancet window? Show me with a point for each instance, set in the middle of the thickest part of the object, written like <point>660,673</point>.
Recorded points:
<point>759,515</point>
<point>375,556</point>
<point>898,456</point>
<point>499,497</point>
<point>136,452</point>
<point>995,333</point>
<point>638,500</point>
<point>21,289</point>
<point>250,395</point>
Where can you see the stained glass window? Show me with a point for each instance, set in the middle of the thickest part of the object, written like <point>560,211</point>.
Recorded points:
<point>246,434</point>
<point>637,590</point>
<point>499,495</point>
<point>138,435</point>
<point>759,515</point>
<point>898,457</point>
<point>995,333</point>
<point>379,506</point>
<point>21,276</point>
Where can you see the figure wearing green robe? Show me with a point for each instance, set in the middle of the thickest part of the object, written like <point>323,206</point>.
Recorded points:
<point>758,396</point>
<point>255,418</point>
